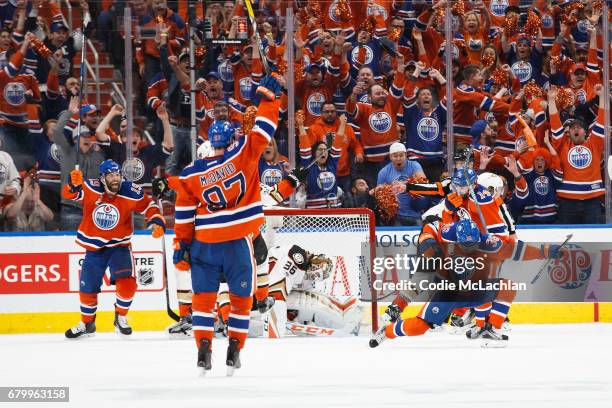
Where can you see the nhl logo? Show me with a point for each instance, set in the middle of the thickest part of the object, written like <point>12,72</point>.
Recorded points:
<point>427,129</point>
<point>271,177</point>
<point>14,93</point>
<point>314,103</point>
<point>522,70</point>
<point>369,54</point>
<point>435,310</point>
<point>105,216</point>
<point>498,7</point>
<point>541,185</point>
<point>579,157</point>
<point>133,170</point>
<point>326,180</point>
<point>380,122</point>
<point>145,277</point>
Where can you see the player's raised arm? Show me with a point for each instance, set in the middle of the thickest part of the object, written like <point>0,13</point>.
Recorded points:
<point>267,100</point>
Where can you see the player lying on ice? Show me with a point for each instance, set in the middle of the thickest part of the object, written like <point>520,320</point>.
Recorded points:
<point>462,238</point>
<point>105,232</point>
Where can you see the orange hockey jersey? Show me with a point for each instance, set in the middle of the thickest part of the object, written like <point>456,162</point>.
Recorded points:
<point>580,163</point>
<point>220,197</point>
<point>107,221</point>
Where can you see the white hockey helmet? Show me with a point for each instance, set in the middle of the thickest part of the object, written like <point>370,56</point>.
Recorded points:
<point>493,183</point>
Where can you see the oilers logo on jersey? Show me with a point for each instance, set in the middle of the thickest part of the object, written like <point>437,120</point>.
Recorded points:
<point>331,12</point>
<point>246,88</point>
<point>369,55</point>
<point>582,26</point>
<point>541,185</point>
<point>133,169</point>
<point>498,7</point>
<point>377,7</point>
<point>105,216</point>
<point>14,93</point>
<point>522,70</point>
<point>380,122</point>
<point>271,177</point>
<point>581,96</point>
<point>314,103</point>
<point>474,44</point>
<point>579,157</point>
<point>547,21</point>
<point>225,71</point>
<point>326,180</point>
<point>428,128</point>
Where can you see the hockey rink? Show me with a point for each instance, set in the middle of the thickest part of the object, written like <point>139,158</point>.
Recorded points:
<point>544,366</point>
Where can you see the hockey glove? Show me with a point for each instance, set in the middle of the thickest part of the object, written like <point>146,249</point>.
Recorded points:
<point>555,251</point>
<point>269,88</point>
<point>297,175</point>
<point>453,201</point>
<point>392,314</point>
<point>181,255</point>
<point>76,180</point>
<point>159,187</point>
<point>157,227</point>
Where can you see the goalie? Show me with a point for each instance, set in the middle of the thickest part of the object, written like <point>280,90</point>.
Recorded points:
<point>297,281</point>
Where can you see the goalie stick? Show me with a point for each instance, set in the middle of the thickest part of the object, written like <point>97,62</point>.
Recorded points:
<point>547,263</point>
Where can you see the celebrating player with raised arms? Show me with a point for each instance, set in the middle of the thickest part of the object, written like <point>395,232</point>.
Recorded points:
<point>105,233</point>
<point>218,214</point>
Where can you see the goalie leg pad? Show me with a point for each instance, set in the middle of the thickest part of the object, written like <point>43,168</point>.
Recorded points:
<point>275,320</point>
<point>321,310</point>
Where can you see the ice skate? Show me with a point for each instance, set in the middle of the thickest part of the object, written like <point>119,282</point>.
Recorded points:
<point>181,329</point>
<point>204,357</point>
<point>474,332</point>
<point>378,337</point>
<point>233,357</point>
<point>121,325</point>
<point>264,305</point>
<point>81,330</point>
<point>492,338</point>
<point>460,323</point>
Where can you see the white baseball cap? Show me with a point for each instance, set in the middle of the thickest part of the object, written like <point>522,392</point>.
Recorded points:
<point>397,147</point>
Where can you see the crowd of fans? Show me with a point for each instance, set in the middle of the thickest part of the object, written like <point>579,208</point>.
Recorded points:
<point>370,82</point>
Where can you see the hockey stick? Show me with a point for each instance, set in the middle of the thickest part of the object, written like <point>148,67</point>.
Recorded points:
<point>260,48</point>
<point>610,167</point>
<point>547,263</point>
<point>86,20</point>
<point>312,163</point>
<point>471,191</point>
<point>171,313</point>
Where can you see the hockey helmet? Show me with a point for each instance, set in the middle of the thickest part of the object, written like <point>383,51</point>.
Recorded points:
<point>109,166</point>
<point>493,183</point>
<point>221,134</point>
<point>468,233</point>
<point>462,179</point>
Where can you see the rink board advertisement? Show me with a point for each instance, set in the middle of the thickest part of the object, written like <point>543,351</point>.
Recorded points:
<point>39,278</point>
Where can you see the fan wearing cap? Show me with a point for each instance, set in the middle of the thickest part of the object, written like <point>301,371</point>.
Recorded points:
<point>90,119</point>
<point>582,78</point>
<point>18,89</point>
<point>222,111</point>
<point>105,233</point>
<point>397,171</point>
<point>241,61</point>
<point>582,187</point>
<point>148,57</point>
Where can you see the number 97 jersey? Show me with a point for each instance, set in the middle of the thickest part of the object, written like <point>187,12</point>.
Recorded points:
<point>219,198</point>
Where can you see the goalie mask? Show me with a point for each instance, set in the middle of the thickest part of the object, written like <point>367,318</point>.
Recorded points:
<point>317,267</point>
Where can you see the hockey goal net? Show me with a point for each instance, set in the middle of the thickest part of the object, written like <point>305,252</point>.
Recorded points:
<point>340,234</point>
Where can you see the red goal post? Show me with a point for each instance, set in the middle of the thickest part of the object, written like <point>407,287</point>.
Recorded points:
<point>337,233</point>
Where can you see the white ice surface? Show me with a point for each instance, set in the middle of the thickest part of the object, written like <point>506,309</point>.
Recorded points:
<point>544,366</point>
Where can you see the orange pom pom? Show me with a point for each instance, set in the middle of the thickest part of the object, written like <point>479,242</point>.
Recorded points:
<point>300,116</point>
<point>510,26</point>
<point>487,60</point>
<point>394,35</point>
<point>387,203</point>
<point>565,98</point>
<point>532,90</point>
<point>248,121</point>
<point>500,77</point>
<point>40,48</point>
<point>533,24</point>
<point>343,11</point>
<point>458,8</point>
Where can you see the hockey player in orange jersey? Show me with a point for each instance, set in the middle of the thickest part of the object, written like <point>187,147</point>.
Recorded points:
<point>218,213</point>
<point>105,233</point>
<point>463,238</point>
